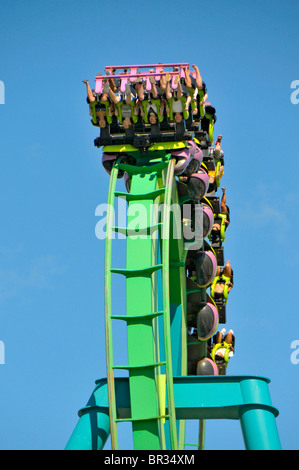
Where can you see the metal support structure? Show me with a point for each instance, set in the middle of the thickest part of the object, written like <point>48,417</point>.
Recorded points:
<point>243,398</point>
<point>153,335</point>
<point>157,396</point>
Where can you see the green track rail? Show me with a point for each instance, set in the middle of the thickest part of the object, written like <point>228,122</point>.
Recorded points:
<point>154,276</point>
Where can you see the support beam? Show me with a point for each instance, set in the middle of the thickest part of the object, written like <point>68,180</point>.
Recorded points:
<point>245,398</point>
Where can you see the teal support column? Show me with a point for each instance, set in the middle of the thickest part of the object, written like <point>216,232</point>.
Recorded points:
<point>243,398</point>
<point>92,430</point>
<point>259,429</point>
<point>93,427</point>
<point>258,422</point>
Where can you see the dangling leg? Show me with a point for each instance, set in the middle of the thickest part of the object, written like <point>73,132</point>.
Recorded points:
<point>111,110</point>
<point>227,270</point>
<point>140,90</point>
<point>168,93</point>
<point>223,201</point>
<point>187,77</point>
<point>137,107</point>
<point>104,96</point>
<point>198,77</point>
<point>217,149</point>
<point>188,102</point>
<point>153,88</point>
<point>115,99</point>
<point>179,90</point>
<point>220,335</point>
<point>229,338</point>
<point>128,93</point>
<point>219,173</point>
<point>89,92</point>
<point>112,84</point>
<point>162,107</point>
<point>163,83</point>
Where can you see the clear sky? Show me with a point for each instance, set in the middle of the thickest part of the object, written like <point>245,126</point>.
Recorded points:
<point>51,181</point>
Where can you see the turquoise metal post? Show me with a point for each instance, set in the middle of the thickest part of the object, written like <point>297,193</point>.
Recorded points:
<point>243,398</point>
<point>92,430</point>
<point>93,427</point>
<point>258,423</point>
<point>259,429</point>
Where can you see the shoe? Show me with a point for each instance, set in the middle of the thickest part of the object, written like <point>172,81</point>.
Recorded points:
<point>127,89</point>
<point>106,88</point>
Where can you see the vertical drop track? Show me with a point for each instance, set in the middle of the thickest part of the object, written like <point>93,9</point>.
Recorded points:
<point>155,313</point>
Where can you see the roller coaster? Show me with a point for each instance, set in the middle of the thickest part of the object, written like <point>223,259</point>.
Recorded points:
<point>157,136</point>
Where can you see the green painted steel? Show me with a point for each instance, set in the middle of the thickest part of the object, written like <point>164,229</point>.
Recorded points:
<point>140,340</point>
<point>149,366</point>
<point>108,308</point>
<point>158,397</point>
<point>167,304</point>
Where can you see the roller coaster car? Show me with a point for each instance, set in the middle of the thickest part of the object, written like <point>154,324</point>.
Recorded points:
<point>197,220</point>
<point>206,366</point>
<point>202,313</point>
<point>207,319</point>
<point>183,158</point>
<point>222,350</point>
<point>108,159</point>
<point>197,184</point>
<point>201,138</point>
<point>202,265</point>
<point>209,162</point>
<point>196,158</point>
<point>207,220</point>
<point>197,364</point>
<point>205,265</point>
<point>194,353</point>
<point>221,307</point>
<point>214,201</point>
<point>142,133</point>
<point>221,301</point>
<point>208,122</point>
<point>217,237</point>
<point>219,252</point>
<point>142,140</point>
<point>227,283</point>
<point>139,140</point>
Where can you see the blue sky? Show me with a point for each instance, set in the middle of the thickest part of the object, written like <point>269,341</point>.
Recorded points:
<point>51,181</point>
